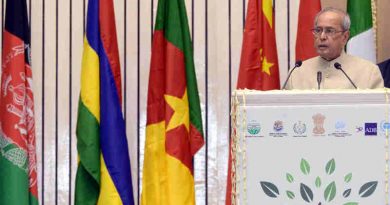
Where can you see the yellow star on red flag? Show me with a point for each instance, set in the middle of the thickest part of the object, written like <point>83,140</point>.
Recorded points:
<point>181,112</point>
<point>265,65</point>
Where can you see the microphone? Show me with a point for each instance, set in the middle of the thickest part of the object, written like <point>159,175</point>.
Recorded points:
<point>319,79</point>
<point>297,65</point>
<point>338,67</point>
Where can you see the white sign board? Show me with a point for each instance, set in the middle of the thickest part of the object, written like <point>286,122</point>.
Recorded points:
<point>312,153</point>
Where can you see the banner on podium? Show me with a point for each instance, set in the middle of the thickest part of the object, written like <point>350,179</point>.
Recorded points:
<point>311,148</point>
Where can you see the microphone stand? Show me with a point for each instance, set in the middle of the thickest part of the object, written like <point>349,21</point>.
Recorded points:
<point>319,79</point>
<point>297,65</point>
<point>338,67</point>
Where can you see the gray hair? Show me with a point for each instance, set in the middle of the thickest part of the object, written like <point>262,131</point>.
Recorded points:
<point>346,24</point>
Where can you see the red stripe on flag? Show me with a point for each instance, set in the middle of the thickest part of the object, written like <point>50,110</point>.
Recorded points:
<point>110,43</point>
<point>177,144</point>
<point>156,102</point>
<point>304,48</point>
<point>13,90</point>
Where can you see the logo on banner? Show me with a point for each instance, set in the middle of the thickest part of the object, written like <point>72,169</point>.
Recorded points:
<point>299,129</point>
<point>384,126</point>
<point>278,128</point>
<point>253,129</point>
<point>318,120</point>
<point>370,129</point>
<point>359,129</point>
<point>340,125</point>
<point>340,130</point>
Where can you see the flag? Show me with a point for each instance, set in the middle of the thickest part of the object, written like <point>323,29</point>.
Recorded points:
<point>18,165</point>
<point>259,68</point>
<point>174,122</point>
<point>304,47</point>
<point>103,173</point>
<point>362,41</point>
<point>259,59</point>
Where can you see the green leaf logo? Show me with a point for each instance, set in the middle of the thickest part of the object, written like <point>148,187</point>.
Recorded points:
<point>318,182</point>
<point>306,193</point>
<point>368,188</point>
<point>330,167</point>
<point>290,194</point>
<point>330,192</point>
<point>305,167</point>
<point>253,128</point>
<point>348,177</point>
<point>346,193</point>
<point>269,189</point>
<point>289,177</point>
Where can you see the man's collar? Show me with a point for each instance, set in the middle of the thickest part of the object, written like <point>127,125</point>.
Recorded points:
<point>332,62</point>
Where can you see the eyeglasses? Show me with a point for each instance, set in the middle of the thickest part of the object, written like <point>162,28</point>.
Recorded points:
<point>328,31</point>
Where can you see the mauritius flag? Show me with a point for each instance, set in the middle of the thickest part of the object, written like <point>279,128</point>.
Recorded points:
<point>174,123</point>
<point>103,174</point>
<point>18,165</point>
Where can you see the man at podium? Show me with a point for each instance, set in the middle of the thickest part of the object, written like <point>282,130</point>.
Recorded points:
<point>333,68</point>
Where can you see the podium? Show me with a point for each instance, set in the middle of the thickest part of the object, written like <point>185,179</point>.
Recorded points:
<point>311,147</point>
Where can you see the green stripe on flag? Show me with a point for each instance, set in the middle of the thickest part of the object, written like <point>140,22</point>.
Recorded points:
<point>87,192</point>
<point>88,146</point>
<point>33,200</point>
<point>14,183</point>
<point>361,16</point>
<point>174,28</point>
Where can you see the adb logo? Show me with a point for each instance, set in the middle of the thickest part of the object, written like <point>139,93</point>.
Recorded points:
<point>370,129</point>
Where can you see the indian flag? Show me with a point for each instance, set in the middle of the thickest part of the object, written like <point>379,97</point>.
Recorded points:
<point>362,39</point>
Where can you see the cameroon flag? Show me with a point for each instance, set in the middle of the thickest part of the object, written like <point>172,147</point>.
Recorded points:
<point>174,124</point>
<point>18,164</point>
<point>103,174</point>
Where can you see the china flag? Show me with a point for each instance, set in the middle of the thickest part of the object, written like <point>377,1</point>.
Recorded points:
<point>259,68</point>
<point>259,59</point>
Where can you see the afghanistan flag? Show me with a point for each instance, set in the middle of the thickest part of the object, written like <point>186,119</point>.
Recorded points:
<point>103,174</point>
<point>18,165</point>
<point>174,123</point>
<point>362,41</point>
